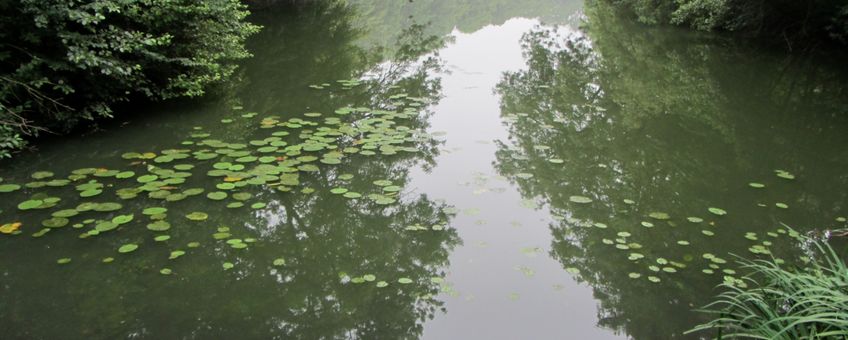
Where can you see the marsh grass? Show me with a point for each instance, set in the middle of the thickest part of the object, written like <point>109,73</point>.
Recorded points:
<point>782,303</point>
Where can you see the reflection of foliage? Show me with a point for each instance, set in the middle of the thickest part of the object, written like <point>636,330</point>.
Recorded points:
<point>387,17</point>
<point>808,303</point>
<point>328,241</point>
<point>676,123</point>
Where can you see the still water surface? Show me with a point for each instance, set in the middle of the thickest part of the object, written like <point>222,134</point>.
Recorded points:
<point>442,191</point>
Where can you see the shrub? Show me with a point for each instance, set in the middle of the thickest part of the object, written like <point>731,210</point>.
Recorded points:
<point>67,61</point>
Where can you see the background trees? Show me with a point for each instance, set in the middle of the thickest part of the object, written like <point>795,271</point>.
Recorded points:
<point>63,62</point>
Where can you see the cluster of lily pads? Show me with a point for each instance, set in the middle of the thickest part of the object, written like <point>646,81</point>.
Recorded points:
<point>713,263</point>
<point>293,148</point>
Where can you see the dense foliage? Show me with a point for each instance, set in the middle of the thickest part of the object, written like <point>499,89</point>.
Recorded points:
<point>66,61</point>
<point>781,303</point>
<point>785,20</point>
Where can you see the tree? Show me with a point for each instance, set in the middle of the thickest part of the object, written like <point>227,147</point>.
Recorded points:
<point>64,62</point>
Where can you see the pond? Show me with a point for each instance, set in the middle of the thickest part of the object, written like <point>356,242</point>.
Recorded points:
<point>444,170</point>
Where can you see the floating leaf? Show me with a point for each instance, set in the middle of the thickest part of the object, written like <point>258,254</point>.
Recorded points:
<point>717,211</point>
<point>197,216</point>
<point>30,204</point>
<point>784,174</point>
<point>159,226</point>
<point>9,187</point>
<point>404,280</point>
<point>127,248</point>
<point>659,215</point>
<point>756,185</point>
<point>216,196</point>
<point>154,211</point>
<point>227,265</point>
<point>55,222</point>
<point>64,260</point>
<point>279,262</point>
<point>580,199</point>
<point>122,219</point>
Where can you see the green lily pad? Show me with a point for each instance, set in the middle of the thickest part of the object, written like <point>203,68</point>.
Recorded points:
<point>279,262</point>
<point>197,216</point>
<point>147,178</point>
<point>159,226</point>
<point>30,204</point>
<point>154,211</point>
<point>42,174</point>
<point>756,185</point>
<point>695,219</point>
<point>659,215</point>
<point>55,222</point>
<point>122,219</point>
<point>175,254</point>
<point>127,248</point>
<point>64,260</point>
<point>162,238</point>
<point>717,211</point>
<point>9,187</point>
<point>580,199</point>
<point>216,196</point>
<point>404,280</point>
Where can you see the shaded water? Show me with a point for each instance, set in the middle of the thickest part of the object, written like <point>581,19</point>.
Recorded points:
<point>512,115</point>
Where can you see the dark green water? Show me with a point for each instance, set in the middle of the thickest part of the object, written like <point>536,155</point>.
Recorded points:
<point>434,197</point>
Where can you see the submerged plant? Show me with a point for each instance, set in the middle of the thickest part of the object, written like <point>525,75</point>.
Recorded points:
<point>781,303</point>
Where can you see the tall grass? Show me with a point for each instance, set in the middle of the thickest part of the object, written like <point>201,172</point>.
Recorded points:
<point>780,303</point>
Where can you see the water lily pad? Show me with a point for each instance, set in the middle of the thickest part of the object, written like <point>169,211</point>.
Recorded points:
<point>659,215</point>
<point>717,211</point>
<point>106,207</point>
<point>695,219</point>
<point>159,226</point>
<point>127,248</point>
<point>165,271</point>
<point>404,280</point>
<point>175,254</point>
<point>64,260</point>
<point>227,265</point>
<point>55,222</point>
<point>216,196</point>
<point>147,178</point>
<point>197,216</point>
<point>9,187</point>
<point>42,174</point>
<point>154,211</point>
<point>784,174</point>
<point>781,205</point>
<point>30,204</point>
<point>122,219</point>
<point>756,185</point>
<point>162,238</point>
<point>279,262</point>
<point>580,199</point>
<point>65,213</point>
